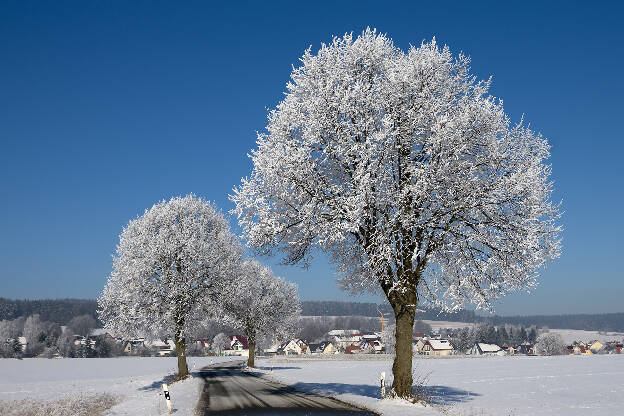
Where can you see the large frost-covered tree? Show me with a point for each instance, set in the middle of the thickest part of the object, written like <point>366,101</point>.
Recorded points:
<point>171,265</point>
<point>413,179</point>
<point>261,304</point>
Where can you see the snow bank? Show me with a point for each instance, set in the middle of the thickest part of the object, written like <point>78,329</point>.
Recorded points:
<point>491,386</point>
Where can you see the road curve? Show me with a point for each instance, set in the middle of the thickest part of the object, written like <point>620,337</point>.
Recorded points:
<point>230,391</point>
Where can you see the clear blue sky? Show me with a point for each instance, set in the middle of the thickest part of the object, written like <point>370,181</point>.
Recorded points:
<point>107,107</point>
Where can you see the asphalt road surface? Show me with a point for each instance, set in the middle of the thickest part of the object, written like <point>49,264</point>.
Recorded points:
<point>230,391</point>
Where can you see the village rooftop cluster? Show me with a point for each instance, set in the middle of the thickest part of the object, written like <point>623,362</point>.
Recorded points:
<point>440,342</point>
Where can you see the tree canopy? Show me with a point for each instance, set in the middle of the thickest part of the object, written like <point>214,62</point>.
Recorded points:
<point>405,170</point>
<point>172,264</point>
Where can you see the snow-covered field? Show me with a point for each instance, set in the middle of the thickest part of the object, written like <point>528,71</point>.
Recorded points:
<point>489,386</point>
<point>492,386</point>
<point>135,381</point>
<point>435,325</point>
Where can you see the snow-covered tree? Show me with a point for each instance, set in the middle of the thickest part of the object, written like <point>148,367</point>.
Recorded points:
<point>403,168</point>
<point>65,344</point>
<point>35,333</point>
<point>171,264</point>
<point>532,335</point>
<point>261,304</point>
<point>550,343</point>
<point>220,343</point>
<point>464,340</point>
<point>12,328</point>
<point>82,325</point>
<point>502,336</point>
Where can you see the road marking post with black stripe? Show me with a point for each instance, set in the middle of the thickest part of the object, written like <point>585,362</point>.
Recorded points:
<point>167,397</point>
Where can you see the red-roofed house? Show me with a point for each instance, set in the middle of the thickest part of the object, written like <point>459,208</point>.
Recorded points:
<point>238,346</point>
<point>353,349</point>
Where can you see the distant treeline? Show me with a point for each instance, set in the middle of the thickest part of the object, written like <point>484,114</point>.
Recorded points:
<point>337,308</point>
<point>611,322</point>
<point>62,311</point>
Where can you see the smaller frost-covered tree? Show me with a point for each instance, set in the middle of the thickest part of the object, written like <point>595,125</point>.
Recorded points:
<point>82,325</point>
<point>532,335</point>
<point>262,305</point>
<point>172,263</point>
<point>220,343</point>
<point>35,332</point>
<point>464,340</point>
<point>12,328</point>
<point>65,344</point>
<point>549,343</point>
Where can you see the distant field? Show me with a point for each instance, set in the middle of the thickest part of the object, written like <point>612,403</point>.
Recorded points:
<point>449,324</point>
<point>571,335</point>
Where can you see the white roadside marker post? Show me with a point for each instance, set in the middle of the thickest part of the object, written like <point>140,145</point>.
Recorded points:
<point>382,381</point>
<point>167,397</point>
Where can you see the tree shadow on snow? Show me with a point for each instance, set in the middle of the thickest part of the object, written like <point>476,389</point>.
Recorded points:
<point>327,389</point>
<point>158,384</point>
<point>268,368</point>
<point>438,395</point>
<point>444,395</point>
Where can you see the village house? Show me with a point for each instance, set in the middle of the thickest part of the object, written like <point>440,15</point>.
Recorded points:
<point>526,349</point>
<point>437,347</point>
<point>508,349</point>
<point>293,347</point>
<point>325,347</point>
<point>342,338</point>
<point>595,346</point>
<point>578,349</point>
<point>353,349</point>
<point>238,346</point>
<point>133,345</point>
<point>614,347</point>
<point>481,348</point>
<point>427,346</point>
<point>372,347</point>
<point>163,348</point>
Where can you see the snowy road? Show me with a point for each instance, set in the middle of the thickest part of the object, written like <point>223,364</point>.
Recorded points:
<point>230,391</point>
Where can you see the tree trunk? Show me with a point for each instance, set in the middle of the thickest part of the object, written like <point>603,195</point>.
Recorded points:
<point>180,344</point>
<point>402,366</point>
<point>252,352</point>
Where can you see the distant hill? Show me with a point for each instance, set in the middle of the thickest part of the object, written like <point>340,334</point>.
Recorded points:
<point>610,322</point>
<point>60,311</point>
<point>63,310</point>
<point>337,308</point>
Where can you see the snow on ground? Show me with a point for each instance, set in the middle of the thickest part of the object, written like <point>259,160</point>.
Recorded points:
<point>136,381</point>
<point>571,335</point>
<point>489,386</point>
